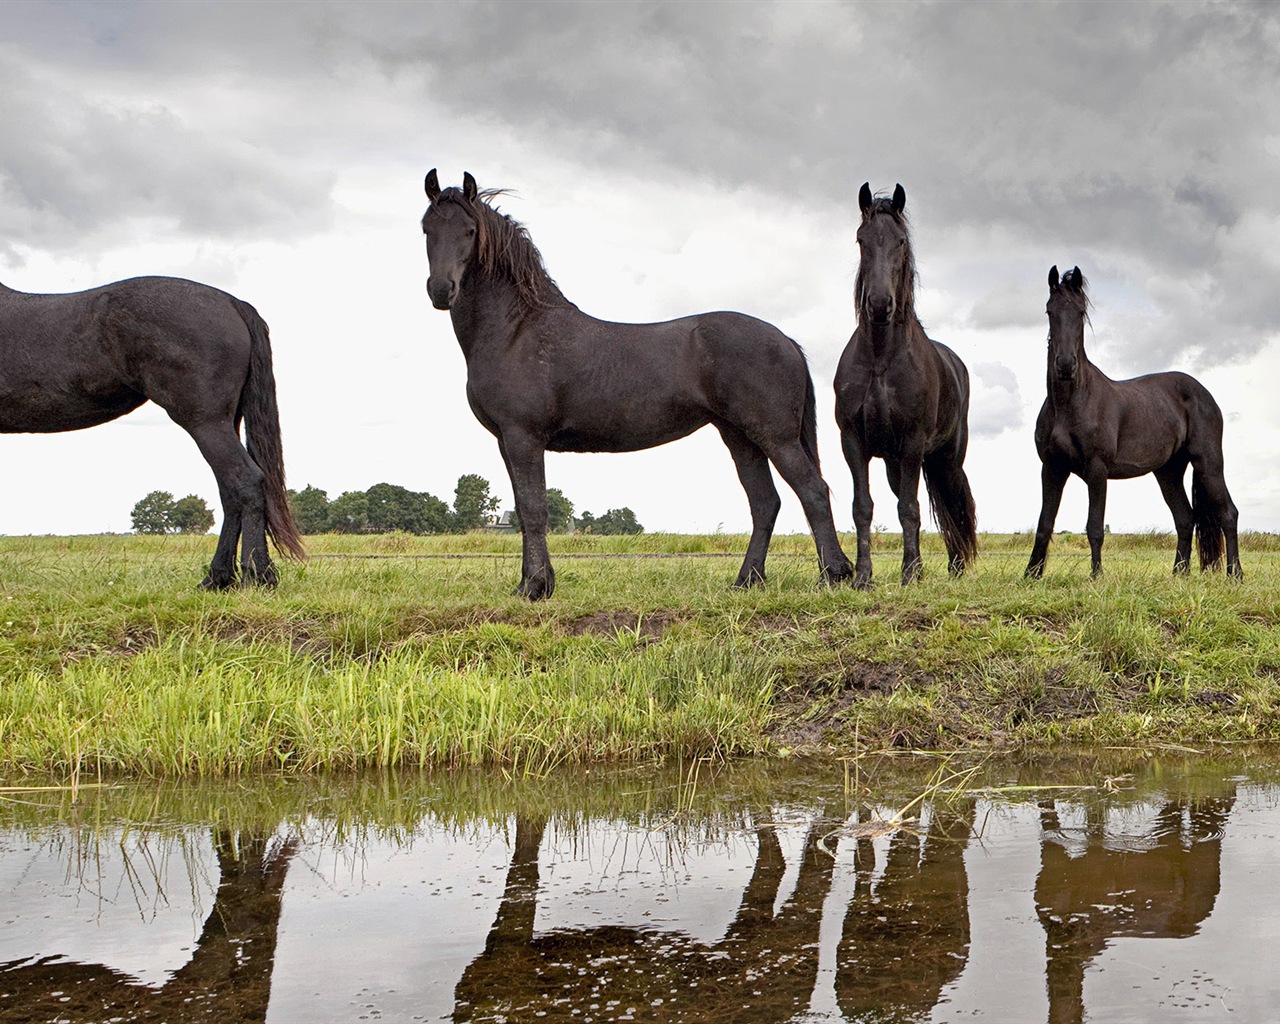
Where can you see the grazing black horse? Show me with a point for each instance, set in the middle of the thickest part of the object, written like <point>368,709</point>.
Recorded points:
<point>903,398</point>
<point>1103,429</point>
<point>542,375</point>
<point>80,359</point>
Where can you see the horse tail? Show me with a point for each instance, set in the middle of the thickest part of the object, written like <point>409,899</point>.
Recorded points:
<point>1207,524</point>
<point>262,433</point>
<point>953,508</point>
<point>809,421</point>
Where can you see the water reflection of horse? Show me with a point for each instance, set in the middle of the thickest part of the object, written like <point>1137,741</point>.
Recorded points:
<point>765,961</point>
<point>1161,883</point>
<point>228,977</point>
<point>906,937</point>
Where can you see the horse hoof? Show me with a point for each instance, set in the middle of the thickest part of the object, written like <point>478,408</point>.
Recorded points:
<point>533,591</point>
<point>216,583</point>
<point>752,579</point>
<point>862,583</point>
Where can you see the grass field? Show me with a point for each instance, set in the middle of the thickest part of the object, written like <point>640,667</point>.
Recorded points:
<point>408,651</point>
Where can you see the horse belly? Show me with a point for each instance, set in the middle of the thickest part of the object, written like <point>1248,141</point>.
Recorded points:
<point>36,409</point>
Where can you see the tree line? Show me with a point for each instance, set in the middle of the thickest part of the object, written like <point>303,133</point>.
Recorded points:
<point>385,508</point>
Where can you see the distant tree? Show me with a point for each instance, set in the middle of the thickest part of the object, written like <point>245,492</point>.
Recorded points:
<point>472,503</point>
<point>586,523</point>
<point>559,511</point>
<point>618,520</point>
<point>349,512</point>
<point>310,509</point>
<point>190,515</point>
<point>392,507</point>
<point>152,513</point>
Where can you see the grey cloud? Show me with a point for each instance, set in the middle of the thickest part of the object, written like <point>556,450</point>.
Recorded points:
<point>995,404</point>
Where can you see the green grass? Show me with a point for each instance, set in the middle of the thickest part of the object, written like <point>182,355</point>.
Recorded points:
<point>382,652</point>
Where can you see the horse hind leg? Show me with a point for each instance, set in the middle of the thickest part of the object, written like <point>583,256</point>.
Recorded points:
<point>762,496</point>
<point>802,476</point>
<point>241,491</point>
<point>1170,477</point>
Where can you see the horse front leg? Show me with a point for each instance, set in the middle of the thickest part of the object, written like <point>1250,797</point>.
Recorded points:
<point>859,468</point>
<point>526,466</point>
<point>904,478</point>
<point>1052,481</point>
<point>1095,525</point>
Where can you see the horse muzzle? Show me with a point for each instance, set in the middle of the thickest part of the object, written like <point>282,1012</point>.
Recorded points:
<point>442,293</point>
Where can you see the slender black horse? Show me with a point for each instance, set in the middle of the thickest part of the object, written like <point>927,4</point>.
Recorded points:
<point>80,359</point>
<point>903,398</point>
<point>1103,429</point>
<point>542,375</point>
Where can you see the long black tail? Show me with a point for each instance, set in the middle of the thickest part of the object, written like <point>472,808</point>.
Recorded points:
<point>953,509</point>
<point>809,425</point>
<point>262,433</point>
<point>1209,538</point>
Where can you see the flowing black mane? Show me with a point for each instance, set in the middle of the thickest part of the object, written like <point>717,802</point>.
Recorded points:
<point>505,250</point>
<point>906,298</point>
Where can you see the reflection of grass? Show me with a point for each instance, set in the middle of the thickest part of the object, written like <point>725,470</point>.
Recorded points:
<point>113,662</point>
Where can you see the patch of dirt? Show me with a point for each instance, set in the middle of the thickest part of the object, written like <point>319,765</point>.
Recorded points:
<point>1219,700</point>
<point>650,625</point>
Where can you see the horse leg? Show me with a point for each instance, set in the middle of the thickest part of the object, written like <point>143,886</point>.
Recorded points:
<point>1052,481</point>
<point>859,468</point>
<point>800,473</point>
<point>1095,524</point>
<point>904,479</point>
<point>526,466</point>
<point>762,496</point>
<point>244,503</point>
<point>1169,476</point>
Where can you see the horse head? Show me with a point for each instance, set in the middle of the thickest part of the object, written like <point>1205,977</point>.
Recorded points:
<point>452,228</point>
<point>885,285</point>
<point>1068,308</point>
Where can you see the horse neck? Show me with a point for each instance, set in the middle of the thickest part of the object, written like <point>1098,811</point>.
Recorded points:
<point>488,309</point>
<point>892,341</point>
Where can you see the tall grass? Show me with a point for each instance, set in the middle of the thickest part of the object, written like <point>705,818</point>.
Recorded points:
<point>112,661</point>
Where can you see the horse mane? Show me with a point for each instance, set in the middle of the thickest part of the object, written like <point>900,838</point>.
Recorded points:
<point>905,300</point>
<point>505,250</point>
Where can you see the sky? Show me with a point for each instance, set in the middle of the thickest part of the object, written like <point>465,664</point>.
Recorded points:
<point>667,159</point>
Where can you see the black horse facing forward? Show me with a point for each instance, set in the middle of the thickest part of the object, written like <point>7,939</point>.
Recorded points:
<point>1103,429</point>
<point>542,375</point>
<point>84,358</point>
<point>902,397</point>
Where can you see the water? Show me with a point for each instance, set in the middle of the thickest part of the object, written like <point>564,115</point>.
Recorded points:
<point>1141,888</point>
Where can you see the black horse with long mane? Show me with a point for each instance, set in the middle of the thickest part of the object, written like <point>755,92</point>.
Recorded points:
<point>903,398</point>
<point>1103,429</point>
<point>80,359</point>
<point>542,375</point>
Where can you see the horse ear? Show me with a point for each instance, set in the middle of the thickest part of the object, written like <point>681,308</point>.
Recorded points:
<point>432,185</point>
<point>468,185</point>
<point>1076,278</point>
<point>1053,278</point>
<point>864,197</point>
<point>899,198</point>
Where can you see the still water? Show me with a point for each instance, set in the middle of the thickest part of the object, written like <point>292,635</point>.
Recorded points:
<point>1126,886</point>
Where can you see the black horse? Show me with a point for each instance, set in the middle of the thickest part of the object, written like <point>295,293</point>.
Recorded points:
<point>77,360</point>
<point>902,397</point>
<point>1103,429</point>
<point>542,375</point>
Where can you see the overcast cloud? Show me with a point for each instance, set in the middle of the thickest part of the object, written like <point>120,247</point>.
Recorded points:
<point>667,158</point>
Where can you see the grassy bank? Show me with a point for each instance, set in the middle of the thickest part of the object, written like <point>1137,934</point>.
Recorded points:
<point>391,651</point>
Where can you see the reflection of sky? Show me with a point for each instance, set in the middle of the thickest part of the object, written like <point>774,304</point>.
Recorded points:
<point>391,926</point>
<point>134,904</point>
